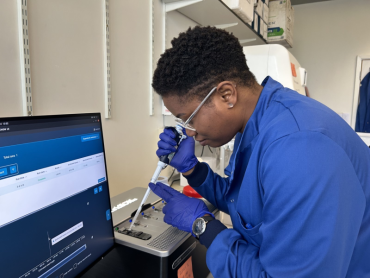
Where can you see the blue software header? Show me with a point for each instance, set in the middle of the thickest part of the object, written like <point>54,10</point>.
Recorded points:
<point>23,158</point>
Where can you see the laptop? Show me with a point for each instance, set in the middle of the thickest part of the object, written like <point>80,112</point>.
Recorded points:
<point>55,212</point>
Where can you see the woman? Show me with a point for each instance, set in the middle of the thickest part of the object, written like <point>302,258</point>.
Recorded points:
<point>298,182</point>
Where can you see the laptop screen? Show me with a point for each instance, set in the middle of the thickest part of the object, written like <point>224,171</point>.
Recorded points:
<point>55,217</point>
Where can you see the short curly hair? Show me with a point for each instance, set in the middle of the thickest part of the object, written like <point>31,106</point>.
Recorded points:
<point>199,59</point>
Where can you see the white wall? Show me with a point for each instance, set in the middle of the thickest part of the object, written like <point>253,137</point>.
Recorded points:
<point>176,23</point>
<point>327,38</point>
<point>132,134</point>
<point>10,81</point>
<point>66,50</point>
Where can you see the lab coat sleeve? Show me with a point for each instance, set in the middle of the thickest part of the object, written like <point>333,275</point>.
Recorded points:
<point>213,189</point>
<point>313,208</point>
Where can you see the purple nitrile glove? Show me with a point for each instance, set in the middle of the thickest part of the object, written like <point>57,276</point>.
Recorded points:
<point>184,159</point>
<point>180,210</point>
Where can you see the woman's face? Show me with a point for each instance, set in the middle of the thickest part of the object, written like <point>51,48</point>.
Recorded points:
<point>215,123</point>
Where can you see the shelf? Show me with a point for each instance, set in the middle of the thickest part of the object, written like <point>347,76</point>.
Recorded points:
<point>216,13</point>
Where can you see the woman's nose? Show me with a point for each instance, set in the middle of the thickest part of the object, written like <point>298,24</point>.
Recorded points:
<point>190,132</point>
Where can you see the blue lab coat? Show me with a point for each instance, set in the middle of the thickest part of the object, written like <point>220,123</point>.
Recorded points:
<point>363,110</point>
<point>299,178</point>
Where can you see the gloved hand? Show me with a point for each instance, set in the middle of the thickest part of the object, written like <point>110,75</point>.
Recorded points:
<point>184,159</point>
<point>180,210</point>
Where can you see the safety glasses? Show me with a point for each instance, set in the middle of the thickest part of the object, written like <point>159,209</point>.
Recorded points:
<point>186,123</point>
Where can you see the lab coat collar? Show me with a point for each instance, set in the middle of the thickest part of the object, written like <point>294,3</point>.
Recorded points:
<point>251,130</point>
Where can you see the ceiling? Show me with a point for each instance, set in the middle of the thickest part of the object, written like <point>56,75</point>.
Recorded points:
<point>299,2</point>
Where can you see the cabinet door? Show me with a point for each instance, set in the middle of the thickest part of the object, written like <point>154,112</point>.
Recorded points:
<point>362,69</point>
<point>365,68</point>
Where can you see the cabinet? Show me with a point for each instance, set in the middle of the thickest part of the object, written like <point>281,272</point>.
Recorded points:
<point>216,13</point>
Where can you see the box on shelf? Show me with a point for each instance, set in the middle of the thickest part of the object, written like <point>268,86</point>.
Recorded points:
<point>261,29</point>
<point>287,42</point>
<point>259,8</point>
<point>280,23</point>
<point>243,8</point>
<point>265,31</point>
<point>292,18</point>
<point>265,13</point>
<point>256,23</point>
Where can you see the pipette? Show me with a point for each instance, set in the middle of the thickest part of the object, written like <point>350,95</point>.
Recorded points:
<point>162,163</point>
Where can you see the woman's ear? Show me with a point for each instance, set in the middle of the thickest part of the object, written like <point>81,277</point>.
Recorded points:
<point>228,93</point>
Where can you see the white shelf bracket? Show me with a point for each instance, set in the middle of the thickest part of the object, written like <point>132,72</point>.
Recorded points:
<point>180,4</point>
<point>224,26</point>
<point>106,47</point>
<point>24,52</point>
<point>151,60</point>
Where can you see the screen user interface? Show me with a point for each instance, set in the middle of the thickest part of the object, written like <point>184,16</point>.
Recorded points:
<point>55,217</point>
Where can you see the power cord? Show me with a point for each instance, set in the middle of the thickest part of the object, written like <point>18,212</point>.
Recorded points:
<point>202,152</point>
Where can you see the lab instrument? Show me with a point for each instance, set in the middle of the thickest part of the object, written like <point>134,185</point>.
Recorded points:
<point>276,61</point>
<point>159,249</point>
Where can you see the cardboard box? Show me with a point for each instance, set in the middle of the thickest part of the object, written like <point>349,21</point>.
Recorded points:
<point>265,31</point>
<point>261,29</point>
<point>292,19</point>
<point>265,13</point>
<point>256,23</point>
<point>243,8</point>
<point>287,41</point>
<point>280,23</point>
<point>259,8</point>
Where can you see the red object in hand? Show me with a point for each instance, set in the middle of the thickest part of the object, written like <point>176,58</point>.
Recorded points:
<point>190,192</point>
